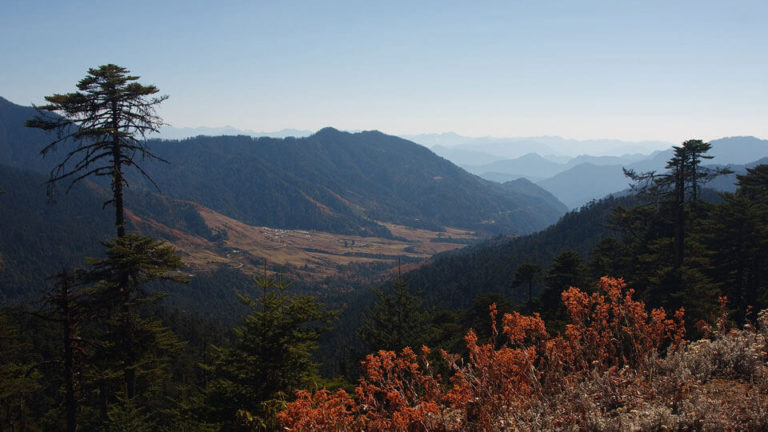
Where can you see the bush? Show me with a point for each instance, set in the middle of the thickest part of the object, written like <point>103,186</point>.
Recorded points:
<point>616,366</point>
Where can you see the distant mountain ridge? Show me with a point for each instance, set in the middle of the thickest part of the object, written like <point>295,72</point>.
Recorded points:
<point>585,182</point>
<point>342,182</point>
<point>330,181</point>
<point>474,151</point>
<point>170,132</point>
<point>581,179</point>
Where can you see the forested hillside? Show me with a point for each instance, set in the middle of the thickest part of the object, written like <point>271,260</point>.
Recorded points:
<point>454,279</point>
<point>40,238</point>
<point>341,182</point>
<point>331,181</point>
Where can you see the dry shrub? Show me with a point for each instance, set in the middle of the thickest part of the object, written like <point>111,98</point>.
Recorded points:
<point>616,367</point>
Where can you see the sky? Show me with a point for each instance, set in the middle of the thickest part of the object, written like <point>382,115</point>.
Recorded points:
<point>631,70</point>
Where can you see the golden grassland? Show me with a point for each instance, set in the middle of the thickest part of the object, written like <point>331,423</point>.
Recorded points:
<point>312,254</point>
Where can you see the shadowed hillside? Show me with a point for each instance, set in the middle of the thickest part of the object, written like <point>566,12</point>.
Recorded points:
<point>331,181</point>
<point>342,182</point>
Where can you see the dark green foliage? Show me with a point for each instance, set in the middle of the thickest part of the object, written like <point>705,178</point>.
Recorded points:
<point>566,271</point>
<point>477,317</point>
<point>270,358</point>
<point>20,380</point>
<point>63,306</point>
<point>39,239</point>
<point>754,184</point>
<point>341,182</point>
<point>131,262</point>
<point>396,321</point>
<point>737,234</point>
<point>663,239</point>
<point>452,280</point>
<point>527,274</point>
<point>132,357</point>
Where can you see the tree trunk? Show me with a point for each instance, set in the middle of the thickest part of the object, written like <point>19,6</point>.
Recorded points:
<point>117,173</point>
<point>69,360</point>
<point>530,290</point>
<point>680,213</point>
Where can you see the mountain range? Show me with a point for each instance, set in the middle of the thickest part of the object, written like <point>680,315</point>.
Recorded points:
<point>578,180</point>
<point>318,204</point>
<point>347,183</point>
<point>473,150</point>
<point>330,181</point>
<point>170,133</point>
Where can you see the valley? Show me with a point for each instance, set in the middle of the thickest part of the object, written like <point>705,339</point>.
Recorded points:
<point>311,255</point>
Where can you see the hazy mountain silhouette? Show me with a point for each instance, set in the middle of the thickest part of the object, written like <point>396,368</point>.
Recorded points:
<point>341,182</point>
<point>170,132</point>
<point>331,181</point>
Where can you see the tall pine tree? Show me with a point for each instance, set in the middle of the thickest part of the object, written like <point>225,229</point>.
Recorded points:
<point>103,127</point>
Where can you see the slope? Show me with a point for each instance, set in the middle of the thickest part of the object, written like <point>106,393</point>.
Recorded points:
<point>41,238</point>
<point>340,182</point>
<point>453,279</point>
<point>585,182</point>
<point>331,181</point>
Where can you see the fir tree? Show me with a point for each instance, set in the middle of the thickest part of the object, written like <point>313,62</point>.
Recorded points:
<point>64,306</point>
<point>20,380</point>
<point>396,320</point>
<point>134,351</point>
<point>271,357</point>
<point>527,274</point>
<point>103,126</point>
<point>566,271</point>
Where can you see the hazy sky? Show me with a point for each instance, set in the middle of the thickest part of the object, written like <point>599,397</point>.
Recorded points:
<point>635,70</point>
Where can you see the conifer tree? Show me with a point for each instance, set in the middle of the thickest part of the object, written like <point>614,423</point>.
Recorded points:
<point>396,320</point>
<point>134,352</point>
<point>64,306</point>
<point>271,357</point>
<point>670,192</point>
<point>566,271</point>
<point>527,274</point>
<point>667,258</point>
<point>103,127</point>
<point>737,234</point>
<point>20,380</point>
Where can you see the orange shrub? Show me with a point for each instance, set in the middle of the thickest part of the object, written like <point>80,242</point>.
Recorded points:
<point>519,368</point>
<point>321,411</point>
<point>609,328</point>
<point>398,393</point>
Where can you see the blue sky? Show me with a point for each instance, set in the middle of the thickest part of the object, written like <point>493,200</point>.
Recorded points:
<point>634,70</point>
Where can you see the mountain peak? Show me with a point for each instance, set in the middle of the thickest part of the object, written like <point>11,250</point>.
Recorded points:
<point>328,131</point>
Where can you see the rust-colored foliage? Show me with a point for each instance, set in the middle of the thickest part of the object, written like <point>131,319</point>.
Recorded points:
<point>321,411</point>
<point>610,328</point>
<point>398,392</point>
<point>518,368</point>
